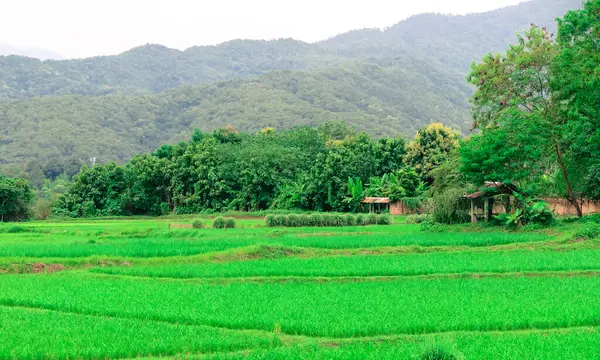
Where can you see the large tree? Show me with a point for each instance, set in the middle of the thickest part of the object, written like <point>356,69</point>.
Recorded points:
<point>514,97</point>
<point>576,85</point>
<point>15,198</point>
<point>430,148</point>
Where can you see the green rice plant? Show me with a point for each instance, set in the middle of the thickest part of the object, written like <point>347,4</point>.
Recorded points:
<point>371,219</point>
<point>451,263</point>
<point>198,224</point>
<point>423,239</point>
<point>384,219</point>
<point>588,231</point>
<point>25,332</point>
<point>219,222</point>
<point>440,352</point>
<point>350,220</point>
<point>230,223</point>
<point>335,309</point>
<point>563,344</point>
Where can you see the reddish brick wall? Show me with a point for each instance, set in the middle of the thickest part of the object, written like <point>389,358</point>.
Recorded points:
<point>562,207</point>
<point>400,208</point>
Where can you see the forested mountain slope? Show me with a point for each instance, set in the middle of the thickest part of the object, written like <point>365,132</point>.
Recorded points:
<point>395,97</point>
<point>155,68</point>
<point>452,40</point>
<point>385,82</point>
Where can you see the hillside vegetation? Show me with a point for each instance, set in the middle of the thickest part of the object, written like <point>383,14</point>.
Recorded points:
<point>385,82</point>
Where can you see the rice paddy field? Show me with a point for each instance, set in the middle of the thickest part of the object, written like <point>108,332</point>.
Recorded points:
<point>158,289</point>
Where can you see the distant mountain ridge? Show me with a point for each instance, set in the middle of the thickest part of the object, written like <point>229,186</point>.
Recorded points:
<point>388,82</point>
<point>36,53</point>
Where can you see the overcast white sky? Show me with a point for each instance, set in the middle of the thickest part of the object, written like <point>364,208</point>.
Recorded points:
<point>82,28</point>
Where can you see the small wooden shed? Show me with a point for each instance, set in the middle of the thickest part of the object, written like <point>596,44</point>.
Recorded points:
<point>376,204</point>
<point>482,201</point>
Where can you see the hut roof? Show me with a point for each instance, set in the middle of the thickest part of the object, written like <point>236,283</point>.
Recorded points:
<point>376,200</point>
<point>491,188</point>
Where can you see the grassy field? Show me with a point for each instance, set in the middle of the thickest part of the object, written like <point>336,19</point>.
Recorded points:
<point>154,288</point>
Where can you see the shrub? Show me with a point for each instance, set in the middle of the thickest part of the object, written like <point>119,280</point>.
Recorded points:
<point>15,230</point>
<point>42,209</point>
<point>198,224</point>
<point>416,219</point>
<point>360,220</point>
<point>588,231</point>
<point>371,219</point>
<point>338,220</point>
<point>451,207</point>
<point>219,223</point>
<point>292,220</point>
<point>440,353</point>
<point>279,220</point>
<point>230,223</point>
<point>384,219</point>
<point>270,220</point>
<point>305,220</point>
<point>317,220</point>
<point>350,220</point>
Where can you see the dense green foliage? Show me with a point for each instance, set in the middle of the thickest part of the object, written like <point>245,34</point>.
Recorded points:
<point>303,169</point>
<point>15,198</point>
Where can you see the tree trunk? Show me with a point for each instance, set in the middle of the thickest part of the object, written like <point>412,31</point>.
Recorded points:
<point>570,193</point>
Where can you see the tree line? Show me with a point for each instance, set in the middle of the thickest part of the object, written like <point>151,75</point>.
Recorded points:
<point>302,169</point>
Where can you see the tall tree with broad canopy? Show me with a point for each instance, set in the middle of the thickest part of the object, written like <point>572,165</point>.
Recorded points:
<point>430,148</point>
<point>15,198</point>
<point>576,85</point>
<point>514,99</point>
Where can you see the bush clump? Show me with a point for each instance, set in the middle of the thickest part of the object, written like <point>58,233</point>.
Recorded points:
<point>371,219</point>
<point>360,220</point>
<point>417,219</point>
<point>219,223</point>
<point>198,224</point>
<point>230,223</point>
<point>588,231</point>
<point>441,352</point>
<point>384,219</point>
<point>322,220</point>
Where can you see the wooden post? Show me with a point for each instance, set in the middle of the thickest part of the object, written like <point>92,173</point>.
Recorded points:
<point>473,216</point>
<point>489,209</point>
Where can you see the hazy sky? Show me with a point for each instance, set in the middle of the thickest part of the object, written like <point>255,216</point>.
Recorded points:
<point>81,28</point>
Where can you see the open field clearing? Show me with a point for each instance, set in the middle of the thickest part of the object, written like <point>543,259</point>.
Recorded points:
<point>141,288</point>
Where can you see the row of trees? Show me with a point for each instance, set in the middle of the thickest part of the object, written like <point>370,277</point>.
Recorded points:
<point>303,168</point>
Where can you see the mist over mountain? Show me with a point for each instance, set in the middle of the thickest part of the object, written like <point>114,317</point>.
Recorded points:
<point>37,53</point>
<point>385,82</point>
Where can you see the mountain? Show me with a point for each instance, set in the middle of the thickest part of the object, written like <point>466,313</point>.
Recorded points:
<point>155,68</point>
<point>385,82</point>
<point>391,98</point>
<point>42,54</point>
<point>455,40</point>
